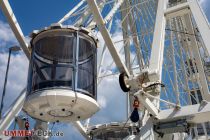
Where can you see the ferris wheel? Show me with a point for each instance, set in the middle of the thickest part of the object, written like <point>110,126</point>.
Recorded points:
<point>158,50</point>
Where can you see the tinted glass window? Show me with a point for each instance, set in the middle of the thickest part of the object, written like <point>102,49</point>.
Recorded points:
<point>85,49</point>
<point>54,65</point>
<point>57,48</point>
<point>50,75</point>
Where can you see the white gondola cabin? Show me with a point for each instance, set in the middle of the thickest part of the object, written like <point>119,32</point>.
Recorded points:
<point>62,75</point>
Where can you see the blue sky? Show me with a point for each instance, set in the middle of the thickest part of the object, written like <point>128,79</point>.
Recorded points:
<point>37,14</point>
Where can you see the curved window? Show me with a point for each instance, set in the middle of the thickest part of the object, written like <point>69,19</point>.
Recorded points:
<point>63,61</point>
<point>56,48</point>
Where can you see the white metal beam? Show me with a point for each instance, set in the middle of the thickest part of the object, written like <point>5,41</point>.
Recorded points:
<point>103,54</point>
<point>81,129</point>
<point>71,12</point>
<point>176,88</point>
<point>106,36</point>
<point>126,42</point>
<point>13,111</point>
<point>133,29</point>
<point>86,14</point>
<point>7,10</point>
<point>156,59</point>
<point>145,101</point>
<point>110,15</point>
<point>201,21</point>
<point>198,113</point>
<point>177,10</point>
<point>147,132</point>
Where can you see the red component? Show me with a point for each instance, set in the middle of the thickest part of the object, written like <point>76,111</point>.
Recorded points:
<point>136,103</point>
<point>26,124</point>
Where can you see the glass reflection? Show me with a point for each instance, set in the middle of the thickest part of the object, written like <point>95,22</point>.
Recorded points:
<point>58,61</point>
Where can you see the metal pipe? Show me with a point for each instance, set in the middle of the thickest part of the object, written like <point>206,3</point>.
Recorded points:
<point>14,48</point>
<point>5,83</point>
<point>174,66</point>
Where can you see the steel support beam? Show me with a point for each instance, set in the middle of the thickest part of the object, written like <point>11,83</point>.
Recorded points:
<point>81,129</point>
<point>176,87</point>
<point>110,15</point>
<point>201,21</point>
<point>71,12</point>
<point>156,59</point>
<point>145,101</point>
<point>13,111</point>
<point>86,14</point>
<point>133,29</point>
<point>103,54</point>
<point>126,42</point>
<point>7,10</point>
<point>106,36</point>
<point>177,10</point>
<point>147,132</point>
<point>113,11</point>
<point>199,113</point>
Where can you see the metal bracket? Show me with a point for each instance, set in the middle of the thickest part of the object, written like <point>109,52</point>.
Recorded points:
<point>147,103</point>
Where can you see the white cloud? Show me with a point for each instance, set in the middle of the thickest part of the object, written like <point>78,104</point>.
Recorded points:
<point>108,89</point>
<point>6,35</point>
<point>110,95</point>
<point>115,99</point>
<point>102,101</point>
<point>202,2</point>
<point>107,57</point>
<point>117,38</point>
<point>17,76</point>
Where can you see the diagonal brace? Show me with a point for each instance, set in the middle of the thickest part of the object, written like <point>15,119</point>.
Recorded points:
<point>106,36</point>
